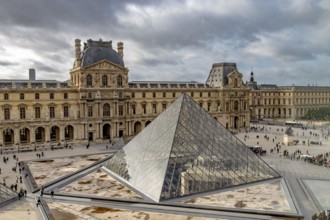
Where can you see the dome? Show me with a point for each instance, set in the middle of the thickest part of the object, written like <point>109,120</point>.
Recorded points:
<point>95,51</point>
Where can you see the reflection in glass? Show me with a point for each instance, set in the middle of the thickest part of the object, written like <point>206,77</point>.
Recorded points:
<point>185,151</point>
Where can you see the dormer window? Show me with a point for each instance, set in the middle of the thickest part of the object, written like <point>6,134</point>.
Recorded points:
<point>235,83</point>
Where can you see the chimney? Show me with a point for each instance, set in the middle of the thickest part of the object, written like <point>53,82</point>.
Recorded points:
<point>120,48</point>
<point>32,74</point>
<point>77,51</point>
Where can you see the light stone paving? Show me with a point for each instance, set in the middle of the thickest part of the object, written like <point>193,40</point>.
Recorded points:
<point>285,167</point>
<point>100,184</point>
<point>44,171</point>
<point>92,212</point>
<point>267,196</point>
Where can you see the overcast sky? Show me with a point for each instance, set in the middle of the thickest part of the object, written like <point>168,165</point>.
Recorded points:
<point>285,42</point>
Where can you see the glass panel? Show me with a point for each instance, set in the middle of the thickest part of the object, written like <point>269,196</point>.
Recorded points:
<point>186,151</point>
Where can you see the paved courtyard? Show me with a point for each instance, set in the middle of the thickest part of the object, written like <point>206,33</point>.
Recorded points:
<point>288,168</point>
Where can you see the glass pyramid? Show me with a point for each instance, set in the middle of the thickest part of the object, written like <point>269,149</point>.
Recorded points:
<point>185,151</point>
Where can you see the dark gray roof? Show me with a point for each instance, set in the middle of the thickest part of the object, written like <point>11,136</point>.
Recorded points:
<point>96,51</point>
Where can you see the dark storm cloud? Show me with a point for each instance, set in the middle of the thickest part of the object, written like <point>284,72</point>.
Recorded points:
<point>199,28</point>
<point>180,39</point>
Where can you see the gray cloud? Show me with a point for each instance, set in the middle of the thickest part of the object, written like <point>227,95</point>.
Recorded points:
<point>176,40</point>
<point>7,63</point>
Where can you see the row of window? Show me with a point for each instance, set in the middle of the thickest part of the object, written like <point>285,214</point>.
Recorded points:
<point>89,80</point>
<point>192,94</point>
<point>36,96</point>
<point>37,112</point>
<point>313,101</point>
<point>298,101</point>
<point>298,93</point>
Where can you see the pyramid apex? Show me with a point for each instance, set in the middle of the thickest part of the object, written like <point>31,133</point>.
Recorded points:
<point>184,151</point>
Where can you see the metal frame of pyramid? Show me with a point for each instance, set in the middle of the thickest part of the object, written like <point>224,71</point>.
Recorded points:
<point>185,151</point>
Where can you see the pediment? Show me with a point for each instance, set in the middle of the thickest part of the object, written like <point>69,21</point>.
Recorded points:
<point>104,64</point>
<point>235,74</point>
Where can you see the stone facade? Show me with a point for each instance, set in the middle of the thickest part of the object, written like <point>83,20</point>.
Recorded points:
<point>99,103</point>
<point>286,102</point>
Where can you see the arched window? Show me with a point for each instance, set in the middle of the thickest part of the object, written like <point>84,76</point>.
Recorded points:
<point>104,80</point>
<point>106,110</point>
<point>89,80</point>
<point>119,80</point>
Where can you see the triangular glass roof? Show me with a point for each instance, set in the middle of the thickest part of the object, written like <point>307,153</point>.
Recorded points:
<point>185,151</point>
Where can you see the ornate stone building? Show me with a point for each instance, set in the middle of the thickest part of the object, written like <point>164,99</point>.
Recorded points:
<point>99,103</point>
<point>285,102</point>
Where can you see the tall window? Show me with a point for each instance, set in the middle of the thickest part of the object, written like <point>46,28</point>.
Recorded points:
<point>104,80</point>
<point>119,80</point>
<point>236,106</point>
<point>235,83</point>
<point>65,111</point>
<point>208,106</point>
<point>153,95</point>
<point>164,94</point>
<point>173,94</point>
<point>133,95</point>
<point>6,113</point>
<point>21,96</point>
<point>164,107</point>
<point>22,113</point>
<point>144,108</point>
<point>154,108</point>
<point>51,112</point>
<point>191,94</point>
<point>65,95</point>
<point>106,110</point>
<point>37,112</point>
<point>90,111</point>
<point>6,96</point>
<point>133,109</point>
<point>36,96</point>
<point>51,95</point>
<point>121,109</point>
<point>89,80</point>
<point>143,94</point>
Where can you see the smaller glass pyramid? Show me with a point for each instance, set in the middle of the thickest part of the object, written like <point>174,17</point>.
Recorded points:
<point>185,151</point>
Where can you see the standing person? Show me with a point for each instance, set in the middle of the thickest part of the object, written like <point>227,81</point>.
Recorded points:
<point>42,191</point>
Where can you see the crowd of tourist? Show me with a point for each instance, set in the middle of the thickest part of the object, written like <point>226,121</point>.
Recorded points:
<point>307,138</point>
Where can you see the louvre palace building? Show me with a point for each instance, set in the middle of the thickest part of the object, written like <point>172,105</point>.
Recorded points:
<point>99,103</point>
